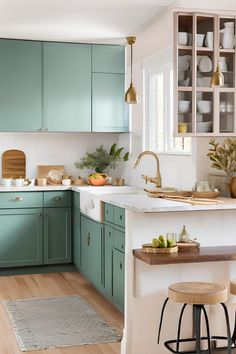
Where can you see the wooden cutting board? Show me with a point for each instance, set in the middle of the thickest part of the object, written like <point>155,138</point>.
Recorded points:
<point>44,169</point>
<point>13,164</point>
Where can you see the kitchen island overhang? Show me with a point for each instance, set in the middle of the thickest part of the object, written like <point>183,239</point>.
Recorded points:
<point>146,285</point>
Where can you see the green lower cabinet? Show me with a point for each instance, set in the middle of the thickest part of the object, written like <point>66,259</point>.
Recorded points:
<point>57,235</point>
<point>118,278</point>
<point>107,266</point>
<point>76,238</point>
<point>91,251</point>
<point>20,237</point>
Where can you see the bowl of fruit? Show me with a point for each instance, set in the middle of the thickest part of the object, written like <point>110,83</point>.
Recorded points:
<point>160,244</point>
<point>98,179</point>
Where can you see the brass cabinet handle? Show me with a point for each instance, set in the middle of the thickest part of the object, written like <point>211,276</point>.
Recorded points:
<point>121,266</point>
<point>18,199</point>
<point>120,217</point>
<point>57,199</point>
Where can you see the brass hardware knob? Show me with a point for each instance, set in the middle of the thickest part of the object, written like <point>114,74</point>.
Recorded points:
<point>57,199</point>
<point>18,199</point>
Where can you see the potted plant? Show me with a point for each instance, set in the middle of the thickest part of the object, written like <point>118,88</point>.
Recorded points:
<point>224,158</point>
<point>101,161</point>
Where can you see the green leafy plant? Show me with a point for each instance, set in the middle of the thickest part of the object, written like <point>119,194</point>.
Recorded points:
<point>101,160</point>
<point>223,157</point>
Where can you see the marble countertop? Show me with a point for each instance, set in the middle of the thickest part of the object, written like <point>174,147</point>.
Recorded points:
<point>142,203</point>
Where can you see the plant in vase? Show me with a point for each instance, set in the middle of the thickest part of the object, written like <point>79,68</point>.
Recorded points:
<point>223,158</point>
<point>101,161</point>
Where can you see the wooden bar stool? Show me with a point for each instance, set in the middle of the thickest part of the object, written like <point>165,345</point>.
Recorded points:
<point>233,292</point>
<point>197,294</point>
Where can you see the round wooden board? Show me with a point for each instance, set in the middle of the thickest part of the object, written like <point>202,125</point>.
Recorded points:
<point>188,246</point>
<point>148,248</point>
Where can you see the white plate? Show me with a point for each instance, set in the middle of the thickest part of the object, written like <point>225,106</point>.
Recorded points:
<point>205,64</point>
<point>55,174</point>
<point>184,62</point>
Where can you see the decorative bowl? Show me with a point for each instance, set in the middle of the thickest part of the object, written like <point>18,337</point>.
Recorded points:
<point>98,179</point>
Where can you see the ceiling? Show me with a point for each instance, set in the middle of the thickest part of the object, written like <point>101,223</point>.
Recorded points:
<point>77,20</point>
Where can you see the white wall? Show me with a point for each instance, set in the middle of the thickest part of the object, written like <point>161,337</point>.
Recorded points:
<point>54,148</point>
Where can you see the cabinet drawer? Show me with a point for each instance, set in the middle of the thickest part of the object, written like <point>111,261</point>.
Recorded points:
<point>57,199</point>
<point>119,216</point>
<point>76,200</point>
<point>119,240</point>
<point>21,200</point>
<point>109,212</point>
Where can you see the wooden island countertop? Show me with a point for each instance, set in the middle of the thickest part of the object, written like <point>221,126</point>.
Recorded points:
<point>203,254</point>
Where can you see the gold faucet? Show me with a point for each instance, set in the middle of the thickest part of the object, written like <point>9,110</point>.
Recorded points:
<point>157,179</point>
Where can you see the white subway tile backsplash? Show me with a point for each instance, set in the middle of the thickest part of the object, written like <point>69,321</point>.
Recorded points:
<point>54,148</point>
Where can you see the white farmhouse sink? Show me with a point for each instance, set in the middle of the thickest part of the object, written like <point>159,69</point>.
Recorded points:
<point>91,198</point>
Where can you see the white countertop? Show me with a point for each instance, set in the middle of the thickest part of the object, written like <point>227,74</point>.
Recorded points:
<point>141,203</point>
<point>35,188</point>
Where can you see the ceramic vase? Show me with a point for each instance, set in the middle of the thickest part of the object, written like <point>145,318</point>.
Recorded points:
<point>232,187</point>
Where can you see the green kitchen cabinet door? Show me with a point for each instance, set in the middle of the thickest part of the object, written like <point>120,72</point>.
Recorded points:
<point>84,246</point>
<point>20,237</point>
<point>57,235</point>
<point>108,266</point>
<point>91,251</point>
<point>108,59</point>
<point>20,85</point>
<point>109,113</point>
<point>67,87</point>
<point>118,278</point>
<point>76,238</point>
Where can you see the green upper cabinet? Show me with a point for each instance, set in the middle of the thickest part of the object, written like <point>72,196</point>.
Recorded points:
<point>108,59</point>
<point>67,87</point>
<point>20,88</point>
<point>109,112</point>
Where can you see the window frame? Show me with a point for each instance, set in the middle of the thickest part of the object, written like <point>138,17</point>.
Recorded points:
<point>151,66</point>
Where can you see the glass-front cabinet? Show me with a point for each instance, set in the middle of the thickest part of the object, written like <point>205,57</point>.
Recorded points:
<point>201,42</point>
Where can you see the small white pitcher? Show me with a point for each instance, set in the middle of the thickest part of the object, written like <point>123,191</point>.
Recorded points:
<point>227,36</point>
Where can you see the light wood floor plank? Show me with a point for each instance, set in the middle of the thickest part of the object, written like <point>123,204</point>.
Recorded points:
<point>48,285</point>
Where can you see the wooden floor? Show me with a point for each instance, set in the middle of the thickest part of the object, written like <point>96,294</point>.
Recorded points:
<point>55,284</point>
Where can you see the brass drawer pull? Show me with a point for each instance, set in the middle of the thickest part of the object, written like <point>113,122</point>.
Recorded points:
<point>18,199</point>
<point>57,199</point>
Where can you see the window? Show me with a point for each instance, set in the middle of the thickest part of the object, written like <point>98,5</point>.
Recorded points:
<point>159,124</point>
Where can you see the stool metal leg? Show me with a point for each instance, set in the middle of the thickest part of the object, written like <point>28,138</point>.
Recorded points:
<point>234,333</point>
<point>229,340</point>
<point>161,319</point>
<point>179,326</point>
<point>197,326</point>
<point>208,330</point>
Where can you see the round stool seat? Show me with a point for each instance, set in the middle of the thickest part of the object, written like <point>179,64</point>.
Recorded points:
<point>195,293</point>
<point>233,287</point>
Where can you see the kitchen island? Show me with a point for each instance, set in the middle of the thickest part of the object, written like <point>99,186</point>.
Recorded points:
<point>146,284</point>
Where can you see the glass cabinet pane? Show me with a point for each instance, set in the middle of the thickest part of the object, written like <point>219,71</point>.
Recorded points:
<point>226,108</point>
<point>205,112</point>
<point>185,30</point>
<point>185,112</point>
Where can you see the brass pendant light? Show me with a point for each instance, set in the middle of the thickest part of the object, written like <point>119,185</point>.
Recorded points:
<point>131,96</point>
<point>217,79</point>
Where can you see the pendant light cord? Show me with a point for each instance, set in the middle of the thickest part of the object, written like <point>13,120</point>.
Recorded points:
<point>131,71</point>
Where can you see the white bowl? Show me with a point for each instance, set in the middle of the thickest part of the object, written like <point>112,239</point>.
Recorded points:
<point>183,38</point>
<point>200,39</point>
<point>184,106</point>
<point>66,182</point>
<point>204,127</point>
<point>204,106</point>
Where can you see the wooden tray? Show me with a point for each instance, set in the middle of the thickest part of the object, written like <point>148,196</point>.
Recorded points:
<point>147,247</point>
<point>156,194</point>
<point>206,194</point>
<point>188,246</point>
